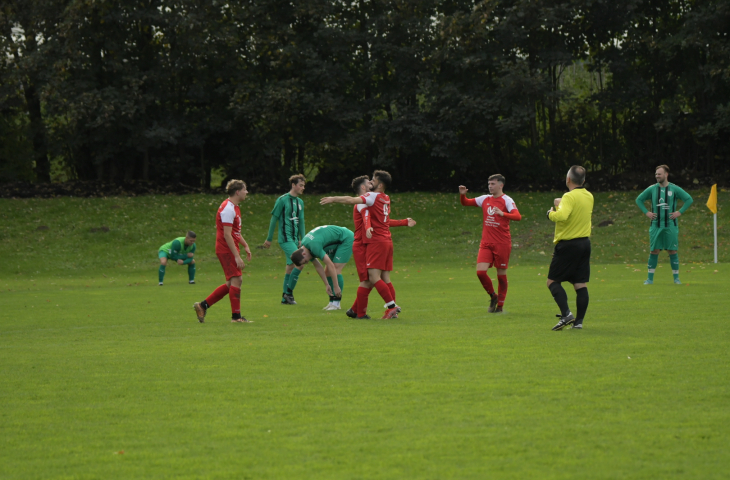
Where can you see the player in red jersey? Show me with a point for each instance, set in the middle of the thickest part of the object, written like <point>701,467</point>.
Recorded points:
<point>496,244</point>
<point>379,245</point>
<point>227,238</point>
<point>361,186</point>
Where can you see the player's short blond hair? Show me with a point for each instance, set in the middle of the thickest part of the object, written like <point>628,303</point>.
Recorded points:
<point>666,168</point>
<point>234,185</point>
<point>498,177</point>
<point>295,179</point>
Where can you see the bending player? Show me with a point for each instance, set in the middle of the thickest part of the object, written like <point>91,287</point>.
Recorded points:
<point>289,213</point>
<point>496,245</point>
<point>379,244</point>
<point>180,250</point>
<point>332,245</point>
<point>227,238</point>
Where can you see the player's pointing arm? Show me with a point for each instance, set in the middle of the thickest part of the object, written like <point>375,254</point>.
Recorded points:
<point>345,200</point>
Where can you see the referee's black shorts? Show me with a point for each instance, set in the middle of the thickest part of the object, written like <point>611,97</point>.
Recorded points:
<point>571,261</point>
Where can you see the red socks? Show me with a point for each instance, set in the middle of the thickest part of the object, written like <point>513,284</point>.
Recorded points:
<point>235,298</point>
<point>217,294</point>
<point>384,291</point>
<point>502,279</point>
<point>487,282</point>
<point>392,290</point>
<point>362,301</point>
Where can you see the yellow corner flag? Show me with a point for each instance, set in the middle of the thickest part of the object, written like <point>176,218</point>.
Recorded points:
<point>712,201</point>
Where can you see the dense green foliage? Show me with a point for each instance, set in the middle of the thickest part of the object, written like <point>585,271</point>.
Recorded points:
<point>106,375</point>
<point>436,92</point>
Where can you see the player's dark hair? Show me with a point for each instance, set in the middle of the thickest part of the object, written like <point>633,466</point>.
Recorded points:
<point>577,175</point>
<point>384,177</point>
<point>234,185</point>
<point>295,179</point>
<point>357,182</point>
<point>666,169</point>
<point>191,234</point>
<point>297,257</point>
<point>498,177</point>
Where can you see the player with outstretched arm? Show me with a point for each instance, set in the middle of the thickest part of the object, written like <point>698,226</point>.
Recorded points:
<point>495,248</point>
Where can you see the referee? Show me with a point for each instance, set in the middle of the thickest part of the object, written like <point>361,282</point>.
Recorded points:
<point>572,253</point>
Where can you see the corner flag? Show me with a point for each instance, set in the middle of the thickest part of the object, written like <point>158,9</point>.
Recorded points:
<point>712,201</point>
<point>712,205</point>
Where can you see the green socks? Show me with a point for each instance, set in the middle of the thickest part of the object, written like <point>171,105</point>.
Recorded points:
<point>293,279</point>
<point>286,283</point>
<point>332,286</point>
<point>161,273</point>
<point>191,272</point>
<point>674,260</point>
<point>341,283</point>
<point>653,261</point>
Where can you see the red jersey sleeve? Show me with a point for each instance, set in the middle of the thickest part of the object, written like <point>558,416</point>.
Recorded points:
<point>397,223</point>
<point>513,215</point>
<point>468,202</point>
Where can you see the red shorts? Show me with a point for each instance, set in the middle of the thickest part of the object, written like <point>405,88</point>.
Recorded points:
<point>380,256</point>
<point>496,254</point>
<point>228,262</point>
<point>359,251</point>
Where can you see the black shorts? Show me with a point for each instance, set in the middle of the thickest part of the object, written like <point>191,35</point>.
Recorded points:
<point>571,261</point>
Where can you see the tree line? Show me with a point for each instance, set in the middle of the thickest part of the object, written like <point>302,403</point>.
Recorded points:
<point>436,92</point>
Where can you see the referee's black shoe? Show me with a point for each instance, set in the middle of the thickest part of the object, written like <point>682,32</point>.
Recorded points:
<point>564,321</point>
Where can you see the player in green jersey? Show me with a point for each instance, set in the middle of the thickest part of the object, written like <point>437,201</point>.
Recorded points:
<point>288,212</point>
<point>332,245</point>
<point>664,231</point>
<point>180,250</point>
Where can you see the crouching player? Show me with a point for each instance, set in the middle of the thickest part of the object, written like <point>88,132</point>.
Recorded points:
<point>332,245</point>
<point>228,237</point>
<point>180,250</point>
<point>496,245</point>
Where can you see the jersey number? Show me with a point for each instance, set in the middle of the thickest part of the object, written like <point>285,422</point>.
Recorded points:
<point>386,212</point>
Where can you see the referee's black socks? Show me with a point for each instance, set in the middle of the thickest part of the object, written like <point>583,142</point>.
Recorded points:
<point>561,298</point>
<point>581,301</point>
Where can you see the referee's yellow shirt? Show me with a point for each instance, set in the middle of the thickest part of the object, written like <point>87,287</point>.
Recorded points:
<point>573,216</point>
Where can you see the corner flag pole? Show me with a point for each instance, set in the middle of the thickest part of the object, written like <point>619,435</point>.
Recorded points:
<point>712,205</point>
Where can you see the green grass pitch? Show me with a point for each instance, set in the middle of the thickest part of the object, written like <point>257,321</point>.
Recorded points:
<point>106,375</point>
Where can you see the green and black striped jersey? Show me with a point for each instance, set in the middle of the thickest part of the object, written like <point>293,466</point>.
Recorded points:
<point>663,203</point>
<point>288,212</point>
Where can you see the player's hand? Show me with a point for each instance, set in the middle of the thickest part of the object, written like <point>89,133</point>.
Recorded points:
<point>557,201</point>
<point>463,190</point>
<point>674,215</point>
<point>329,290</point>
<point>180,262</point>
<point>369,232</point>
<point>326,200</point>
<point>652,215</point>
<point>266,244</point>
<point>239,262</point>
<point>411,222</point>
<point>338,291</point>
<point>498,211</point>
<point>248,253</point>
<point>190,255</point>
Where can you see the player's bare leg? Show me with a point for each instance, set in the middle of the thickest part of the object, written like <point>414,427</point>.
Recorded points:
<point>487,285</point>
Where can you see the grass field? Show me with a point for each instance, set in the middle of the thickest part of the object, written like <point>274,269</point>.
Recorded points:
<point>107,375</point>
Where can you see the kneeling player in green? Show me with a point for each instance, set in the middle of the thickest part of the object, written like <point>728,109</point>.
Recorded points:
<point>288,212</point>
<point>664,231</point>
<point>332,245</point>
<point>180,250</point>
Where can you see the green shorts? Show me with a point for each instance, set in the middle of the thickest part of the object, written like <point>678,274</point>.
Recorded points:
<point>289,248</point>
<point>162,254</point>
<point>663,238</point>
<point>342,252</point>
